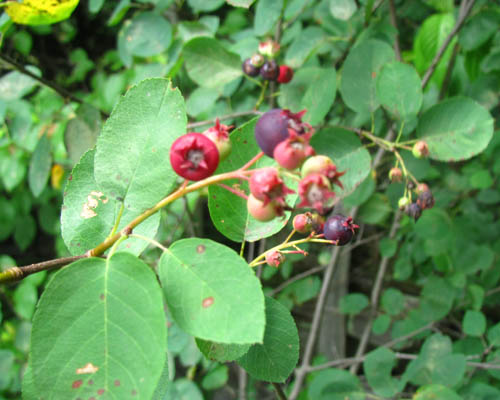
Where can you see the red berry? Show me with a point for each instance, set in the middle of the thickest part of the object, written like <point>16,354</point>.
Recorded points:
<point>285,75</point>
<point>395,175</point>
<point>291,152</point>
<point>274,258</point>
<point>250,69</point>
<point>420,149</point>
<point>219,134</point>
<point>263,212</point>
<point>302,223</point>
<point>315,191</point>
<point>194,156</point>
<point>275,125</point>
<point>266,185</point>
<point>322,165</point>
<point>339,228</point>
<point>270,70</point>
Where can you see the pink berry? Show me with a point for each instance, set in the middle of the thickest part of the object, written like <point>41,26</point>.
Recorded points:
<point>263,212</point>
<point>219,134</point>
<point>274,258</point>
<point>302,223</point>
<point>323,165</point>
<point>420,149</point>
<point>285,74</point>
<point>291,152</point>
<point>193,156</point>
<point>269,48</point>
<point>395,175</point>
<point>315,191</point>
<point>266,185</point>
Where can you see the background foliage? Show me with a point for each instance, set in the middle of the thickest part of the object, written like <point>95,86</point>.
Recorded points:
<point>410,310</point>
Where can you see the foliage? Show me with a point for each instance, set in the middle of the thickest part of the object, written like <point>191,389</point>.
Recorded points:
<point>166,294</point>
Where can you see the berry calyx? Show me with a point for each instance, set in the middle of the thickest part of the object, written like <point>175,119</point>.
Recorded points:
<point>285,74</point>
<point>219,134</point>
<point>249,69</point>
<point>395,175</point>
<point>194,156</point>
<point>274,258</point>
<point>275,125</point>
<point>420,149</point>
<point>340,229</point>
<point>266,185</point>
<point>270,70</point>
<point>291,152</point>
<point>263,212</point>
<point>315,191</point>
<point>323,165</point>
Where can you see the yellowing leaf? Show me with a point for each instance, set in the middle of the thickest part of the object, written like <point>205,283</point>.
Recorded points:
<point>40,12</point>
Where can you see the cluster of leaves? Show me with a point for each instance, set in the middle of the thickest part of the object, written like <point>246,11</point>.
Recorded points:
<point>101,326</point>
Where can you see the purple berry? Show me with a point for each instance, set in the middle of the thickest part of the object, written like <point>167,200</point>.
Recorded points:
<point>339,228</point>
<point>270,70</point>
<point>271,129</point>
<point>414,211</point>
<point>249,69</point>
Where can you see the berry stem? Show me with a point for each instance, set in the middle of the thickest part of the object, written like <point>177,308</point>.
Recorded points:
<point>236,192</point>
<point>262,95</point>
<point>251,162</point>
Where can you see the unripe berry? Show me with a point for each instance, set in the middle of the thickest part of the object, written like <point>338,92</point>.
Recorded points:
<point>323,165</point>
<point>315,191</point>
<point>260,211</point>
<point>193,156</point>
<point>339,228</point>
<point>302,223</point>
<point>219,134</point>
<point>403,202</point>
<point>395,175</point>
<point>291,152</point>
<point>266,185</point>
<point>270,70</point>
<point>269,48</point>
<point>285,74</point>
<point>420,149</point>
<point>274,258</point>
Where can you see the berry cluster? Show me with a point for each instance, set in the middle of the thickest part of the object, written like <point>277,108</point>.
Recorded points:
<point>263,63</point>
<point>425,200</point>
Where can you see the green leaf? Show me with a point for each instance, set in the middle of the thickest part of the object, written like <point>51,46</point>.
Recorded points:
<point>393,301</point>
<point>81,131</point>
<point>274,359</point>
<point>304,45</point>
<point>478,29</point>
<point>375,210</point>
<point>229,212</point>
<point>24,231</point>
<point>312,89</point>
<point>378,366</point>
<point>474,323</point>
<point>6,363</point>
<point>240,3</point>
<point>436,364</point>
<point>15,85</point>
<point>430,37</point>
<point>215,378</point>
<point>39,169</point>
<point>205,5</point>
<point>7,218</point>
<point>105,306</point>
<point>494,335</point>
<point>353,303</point>
<point>335,384</point>
<point>342,9</point>
<point>455,129</point>
<point>381,324</point>
<point>221,352</point>
<point>359,74</point>
<point>40,12</point>
<point>388,247</point>
<point>433,392</point>
<point>209,64</point>
<point>12,169</point>
<point>345,149</point>
<point>399,90</point>
<point>212,293</point>
<point>88,215</point>
<point>25,298</point>
<point>131,160</point>
<point>267,12</point>
<point>436,299</point>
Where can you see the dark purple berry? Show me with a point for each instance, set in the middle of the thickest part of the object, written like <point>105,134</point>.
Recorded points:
<point>270,70</point>
<point>339,228</point>
<point>249,69</point>
<point>414,211</point>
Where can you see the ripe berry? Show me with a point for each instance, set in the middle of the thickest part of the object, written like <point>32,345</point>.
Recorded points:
<point>263,212</point>
<point>425,198</point>
<point>194,156</point>
<point>315,191</point>
<point>285,74</point>
<point>250,69</point>
<point>322,165</point>
<point>275,125</point>
<point>414,211</point>
<point>270,70</point>
<point>395,175</point>
<point>266,185</point>
<point>274,258</point>
<point>420,149</point>
<point>219,134</point>
<point>291,152</point>
<point>340,228</point>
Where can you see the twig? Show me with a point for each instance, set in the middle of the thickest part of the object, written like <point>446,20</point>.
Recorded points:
<point>465,7</point>
<point>408,336</point>
<point>392,10</point>
<point>363,343</point>
<point>65,94</point>
<point>192,125</point>
<point>297,277</point>
<point>449,70</point>
<point>279,392</point>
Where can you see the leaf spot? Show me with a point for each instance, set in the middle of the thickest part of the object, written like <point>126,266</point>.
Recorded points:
<point>91,204</point>
<point>90,382</point>
<point>134,392</point>
<point>89,368</point>
<point>117,382</point>
<point>207,302</point>
<point>102,297</point>
<point>100,391</point>
<point>200,249</point>
<point>77,384</point>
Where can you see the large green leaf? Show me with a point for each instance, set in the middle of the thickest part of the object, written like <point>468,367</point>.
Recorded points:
<point>311,88</point>
<point>212,293</point>
<point>88,215</point>
<point>131,160</point>
<point>221,352</point>
<point>228,211</point>
<point>39,169</point>
<point>267,12</point>
<point>304,45</point>
<point>479,28</point>
<point>345,149</point>
<point>378,366</point>
<point>359,74</point>
<point>240,3</point>
<point>433,392</point>
<point>81,131</point>
<point>274,359</point>
<point>399,90</point>
<point>455,129</point>
<point>99,328</point>
<point>335,384</point>
<point>209,64</point>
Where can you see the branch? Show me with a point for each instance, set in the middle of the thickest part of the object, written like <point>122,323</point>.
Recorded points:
<point>65,94</point>
<point>392,10</point>
<point>192,125</point>
<point>465,7</point>
<point>279,392</point>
